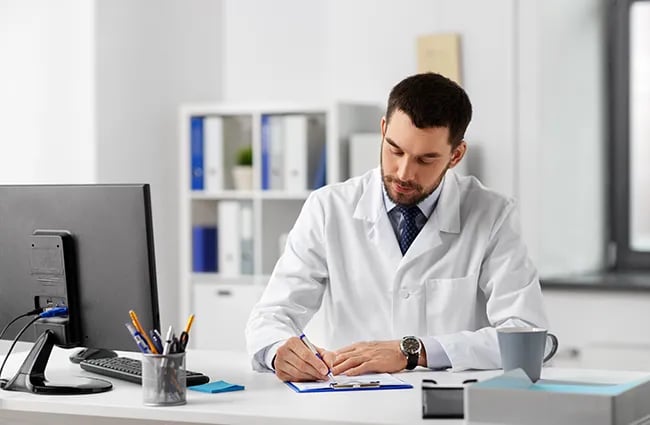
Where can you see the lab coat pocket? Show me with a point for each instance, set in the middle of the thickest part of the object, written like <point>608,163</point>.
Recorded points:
<point>451,304</point>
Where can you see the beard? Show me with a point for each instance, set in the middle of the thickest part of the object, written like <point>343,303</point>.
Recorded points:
<point>417,194</point>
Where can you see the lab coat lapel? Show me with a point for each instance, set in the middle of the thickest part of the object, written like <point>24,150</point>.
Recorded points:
<point>372,210</point>
<point>445,218</point>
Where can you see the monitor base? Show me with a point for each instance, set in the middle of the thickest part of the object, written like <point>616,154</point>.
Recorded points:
<point>31,375</point>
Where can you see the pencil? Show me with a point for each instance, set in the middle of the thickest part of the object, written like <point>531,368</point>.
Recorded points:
<point>190,320</point>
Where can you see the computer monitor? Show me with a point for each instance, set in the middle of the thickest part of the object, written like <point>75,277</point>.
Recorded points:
<point>89,247</point>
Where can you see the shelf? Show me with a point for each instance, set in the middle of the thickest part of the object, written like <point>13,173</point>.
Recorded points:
<point>248,195</point>
<point>317,134</point>
<point>217,279</point>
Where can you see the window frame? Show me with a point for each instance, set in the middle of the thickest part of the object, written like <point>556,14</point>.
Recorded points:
<point>624,257</point>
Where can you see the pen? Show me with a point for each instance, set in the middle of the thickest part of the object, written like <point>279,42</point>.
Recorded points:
<point>139,328</point>
<point>137,337</point>
<point>157,341</point>
<point>313,349</point>
<point>168,340</point>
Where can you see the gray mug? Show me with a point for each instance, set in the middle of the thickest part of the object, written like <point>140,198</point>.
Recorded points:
<point>523,348</point>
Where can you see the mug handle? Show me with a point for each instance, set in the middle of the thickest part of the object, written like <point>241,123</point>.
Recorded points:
<point>554,347</point>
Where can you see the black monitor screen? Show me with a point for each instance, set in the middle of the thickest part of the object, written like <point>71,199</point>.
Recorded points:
<point>111,228</point>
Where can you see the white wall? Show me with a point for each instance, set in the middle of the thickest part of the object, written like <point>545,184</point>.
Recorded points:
<point>562,133</point>
<point>532,69</point>
<point>359,50</point>
<point>46,91</point>
<point>151,57</point>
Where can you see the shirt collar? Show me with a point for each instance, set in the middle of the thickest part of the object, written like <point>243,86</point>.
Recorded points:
<point>427,205</point>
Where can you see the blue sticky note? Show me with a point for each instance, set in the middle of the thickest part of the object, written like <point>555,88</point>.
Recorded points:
<point>217,387</point>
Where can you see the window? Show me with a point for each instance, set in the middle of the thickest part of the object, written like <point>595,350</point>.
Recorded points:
<point>629,93</point>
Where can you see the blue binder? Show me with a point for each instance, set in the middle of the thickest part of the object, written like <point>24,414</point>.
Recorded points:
<point>196,149</point>
<point>204,249</point>
<point>266,147</point>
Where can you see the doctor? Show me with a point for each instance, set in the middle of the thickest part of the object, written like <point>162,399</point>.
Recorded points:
<point>411,263</point>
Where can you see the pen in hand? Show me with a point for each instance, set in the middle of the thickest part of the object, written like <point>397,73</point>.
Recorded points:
<point>313,349</point>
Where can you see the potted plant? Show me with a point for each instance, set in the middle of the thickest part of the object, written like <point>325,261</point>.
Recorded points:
<point>242,172</point>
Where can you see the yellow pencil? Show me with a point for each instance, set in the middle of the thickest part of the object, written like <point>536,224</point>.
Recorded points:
<point>190,320</point>
<point>139,328</point>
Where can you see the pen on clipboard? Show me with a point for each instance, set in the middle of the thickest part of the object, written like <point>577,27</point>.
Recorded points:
<point>313,349</point>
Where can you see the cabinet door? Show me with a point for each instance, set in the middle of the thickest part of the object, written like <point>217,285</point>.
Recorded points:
<point>221,314</point>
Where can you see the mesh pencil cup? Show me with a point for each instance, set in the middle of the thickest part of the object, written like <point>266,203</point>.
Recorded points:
<point>163,379</point>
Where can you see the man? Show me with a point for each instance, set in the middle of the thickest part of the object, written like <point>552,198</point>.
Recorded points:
<point>411,263</point>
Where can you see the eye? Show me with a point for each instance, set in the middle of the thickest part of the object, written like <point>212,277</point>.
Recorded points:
<point>396,152</point>
<point>426,160</point>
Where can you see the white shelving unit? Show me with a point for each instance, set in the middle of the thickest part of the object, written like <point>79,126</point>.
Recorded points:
<point>222,303</point>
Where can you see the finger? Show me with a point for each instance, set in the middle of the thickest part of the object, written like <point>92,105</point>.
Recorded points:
<point>302,358</point>
<point>287,355</point>
<point>306,368</point>
<point>347,365</point>
<point>362,369</point>
<point>340,358</point>
<point>289,372</point>
<point>316,365</point>
<point>328,357</point>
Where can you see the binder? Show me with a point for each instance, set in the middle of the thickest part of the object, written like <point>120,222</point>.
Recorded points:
<point>276,152</point>
<point>196,153</point>
<point>204,249</point>
<point>316,151</point>
<point>320,175</point>
<point>229,246</point>
<point>247,263</point>
<point>266,145</point>
<point>295,153</point>
<point>213,154</point>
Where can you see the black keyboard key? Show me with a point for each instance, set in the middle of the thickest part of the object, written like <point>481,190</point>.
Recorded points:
<point>130,370</point>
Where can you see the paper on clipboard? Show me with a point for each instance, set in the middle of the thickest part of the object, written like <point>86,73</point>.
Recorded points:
<point>377,381</point>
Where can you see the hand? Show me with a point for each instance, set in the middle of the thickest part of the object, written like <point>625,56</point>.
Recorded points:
<point>369,357</point>
<point>295,362</point>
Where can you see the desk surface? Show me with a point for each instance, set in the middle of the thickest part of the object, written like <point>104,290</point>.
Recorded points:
<point>265,400</point>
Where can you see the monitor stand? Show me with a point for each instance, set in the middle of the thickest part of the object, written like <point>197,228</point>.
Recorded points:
<point>31,375</point>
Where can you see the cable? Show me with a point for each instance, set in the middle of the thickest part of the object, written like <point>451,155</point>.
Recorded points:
<point>29,313</point>
<point>13,344</point>
<point>52,312</point>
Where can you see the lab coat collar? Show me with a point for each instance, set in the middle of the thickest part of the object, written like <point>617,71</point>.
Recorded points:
<point>447,213</point>
<point>448,208</point>
<point>445,217</point>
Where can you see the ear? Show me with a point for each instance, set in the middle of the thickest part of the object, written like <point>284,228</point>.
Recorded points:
<point>458,154</point>
<point>384,125</point>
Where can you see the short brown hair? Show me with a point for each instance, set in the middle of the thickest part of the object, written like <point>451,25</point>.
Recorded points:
<point>431,100</point>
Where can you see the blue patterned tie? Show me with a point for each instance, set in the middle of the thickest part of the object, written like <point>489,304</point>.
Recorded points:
<point>409,230</point>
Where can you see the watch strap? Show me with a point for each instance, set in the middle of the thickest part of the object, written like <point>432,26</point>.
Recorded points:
<point>412,361</point>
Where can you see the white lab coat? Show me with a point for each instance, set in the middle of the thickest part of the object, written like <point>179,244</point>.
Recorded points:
<point>466,273</point>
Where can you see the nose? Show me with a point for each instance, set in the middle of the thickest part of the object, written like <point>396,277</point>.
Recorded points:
<point>405,170</point>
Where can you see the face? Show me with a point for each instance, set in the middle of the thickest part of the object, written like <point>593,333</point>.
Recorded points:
<point>414,160</point>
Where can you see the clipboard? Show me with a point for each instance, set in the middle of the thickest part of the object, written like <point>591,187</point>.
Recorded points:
<point>378,381</point>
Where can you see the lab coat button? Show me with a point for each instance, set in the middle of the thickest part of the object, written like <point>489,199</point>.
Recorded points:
<point>404,293</point>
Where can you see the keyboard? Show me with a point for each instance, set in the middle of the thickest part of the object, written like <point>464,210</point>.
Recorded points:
<point>131,370</point>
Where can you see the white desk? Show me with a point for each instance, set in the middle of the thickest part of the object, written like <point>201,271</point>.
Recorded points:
<point>265,400</point>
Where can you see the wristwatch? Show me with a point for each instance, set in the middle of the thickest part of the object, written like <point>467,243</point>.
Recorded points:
<point>411,348</point>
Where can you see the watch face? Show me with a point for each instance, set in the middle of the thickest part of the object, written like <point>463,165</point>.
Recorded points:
<point>411,345</point>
